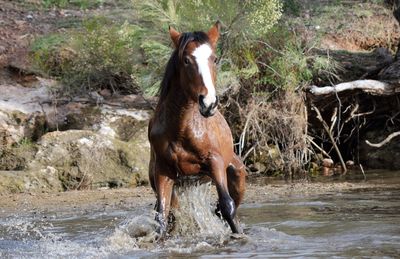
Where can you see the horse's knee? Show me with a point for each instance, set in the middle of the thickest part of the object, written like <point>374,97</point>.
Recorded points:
<point>236,183</point>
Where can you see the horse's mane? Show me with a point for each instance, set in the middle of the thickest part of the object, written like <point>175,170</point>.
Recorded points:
<point>172,65</point>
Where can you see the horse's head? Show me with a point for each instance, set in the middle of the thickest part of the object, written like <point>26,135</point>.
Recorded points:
<point>196,66</point>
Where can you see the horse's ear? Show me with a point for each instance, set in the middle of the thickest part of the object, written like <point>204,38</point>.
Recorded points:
<point>174,36</point>
<point>213,33</point>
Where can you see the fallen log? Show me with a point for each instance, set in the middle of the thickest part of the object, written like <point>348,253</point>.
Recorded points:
<point>369,86</point>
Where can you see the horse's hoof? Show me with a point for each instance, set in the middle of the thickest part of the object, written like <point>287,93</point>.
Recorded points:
<point>161,232</point>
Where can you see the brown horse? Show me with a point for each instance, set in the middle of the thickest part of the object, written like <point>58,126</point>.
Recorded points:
<point>188,135</point>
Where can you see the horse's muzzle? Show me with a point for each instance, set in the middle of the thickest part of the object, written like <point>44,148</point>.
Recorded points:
<point>207,111</point>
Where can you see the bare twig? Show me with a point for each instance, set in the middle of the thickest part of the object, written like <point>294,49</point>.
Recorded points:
<point>362,171</point>
<point>318,147</point>
<point>243,135</point>
<point>326,127</point>
<point>249,151</point>
<point>391,118</point>
<point>365,113</point>
<point>333,119</point>
<point>353,111</point>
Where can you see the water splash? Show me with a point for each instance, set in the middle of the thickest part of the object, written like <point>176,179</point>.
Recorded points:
<point>196,226</point>
<point>195,216</point>
<point>22,229</point>
<point>135,233</point>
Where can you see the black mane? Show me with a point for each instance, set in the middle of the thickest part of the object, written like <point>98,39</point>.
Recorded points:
<point>176,57</point>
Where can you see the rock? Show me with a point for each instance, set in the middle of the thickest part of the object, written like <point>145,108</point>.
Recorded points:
<point>268,159</point>
<point>87,160</point>
<point>10,161</point>
<point>327,167</point>
<point>45,180</point>
<point>95,96</point>
<point>327,162</point>
<point>21,115</point>
<point>16,126</point>
<point>126,128</point>
<point>106,93</point>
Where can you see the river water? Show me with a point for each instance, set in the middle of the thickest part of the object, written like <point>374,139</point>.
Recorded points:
<point>358,223</point>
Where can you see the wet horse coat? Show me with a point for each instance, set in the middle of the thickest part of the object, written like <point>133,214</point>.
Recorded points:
<point>188,135</point>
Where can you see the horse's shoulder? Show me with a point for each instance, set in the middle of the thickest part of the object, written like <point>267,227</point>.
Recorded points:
<point>219,121</point>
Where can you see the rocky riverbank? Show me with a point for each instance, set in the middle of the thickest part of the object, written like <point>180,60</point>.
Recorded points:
<point>77,144</point>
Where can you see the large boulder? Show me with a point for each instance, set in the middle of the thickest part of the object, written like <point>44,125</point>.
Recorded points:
<point>84,159</point>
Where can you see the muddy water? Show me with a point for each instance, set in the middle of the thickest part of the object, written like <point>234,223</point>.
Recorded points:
<point>354,223</point>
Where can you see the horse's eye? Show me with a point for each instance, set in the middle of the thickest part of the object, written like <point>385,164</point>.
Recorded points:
<point>215,60</point>
<point>186,61</point>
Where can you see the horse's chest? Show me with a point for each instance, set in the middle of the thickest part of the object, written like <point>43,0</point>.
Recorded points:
<point>187,162</point>
<point>197,132</point>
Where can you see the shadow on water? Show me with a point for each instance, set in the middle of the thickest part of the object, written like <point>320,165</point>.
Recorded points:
<point>355,223</point>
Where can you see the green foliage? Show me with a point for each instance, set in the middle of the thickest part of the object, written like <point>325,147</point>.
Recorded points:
<point>156,55</point>
<point>105,56</point>
<point>292,7</point>
<point>289,70</point>
<point>124,56</point>
<point>46,53</point>
<point>243,21</point>
<point>262,15</point>
<point>101,55</point>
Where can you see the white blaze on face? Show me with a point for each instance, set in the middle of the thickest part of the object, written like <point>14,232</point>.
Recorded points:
<point>202,53</point>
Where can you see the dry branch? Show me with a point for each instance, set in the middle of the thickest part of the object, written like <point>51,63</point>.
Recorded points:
<point>385,141</point>
<point>369,86</point>
<point>326,127</point>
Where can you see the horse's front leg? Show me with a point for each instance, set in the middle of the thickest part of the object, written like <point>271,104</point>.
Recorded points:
<point>164,186</point>
<point>225,201</point>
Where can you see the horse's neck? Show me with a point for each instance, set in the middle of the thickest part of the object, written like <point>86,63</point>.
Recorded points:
<point>179,110</point>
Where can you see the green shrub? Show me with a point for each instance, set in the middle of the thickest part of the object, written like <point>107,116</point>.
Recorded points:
<point>46,54</point>
<point>101,55</point>
<point>105,57</point>
<point>289,70</point>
